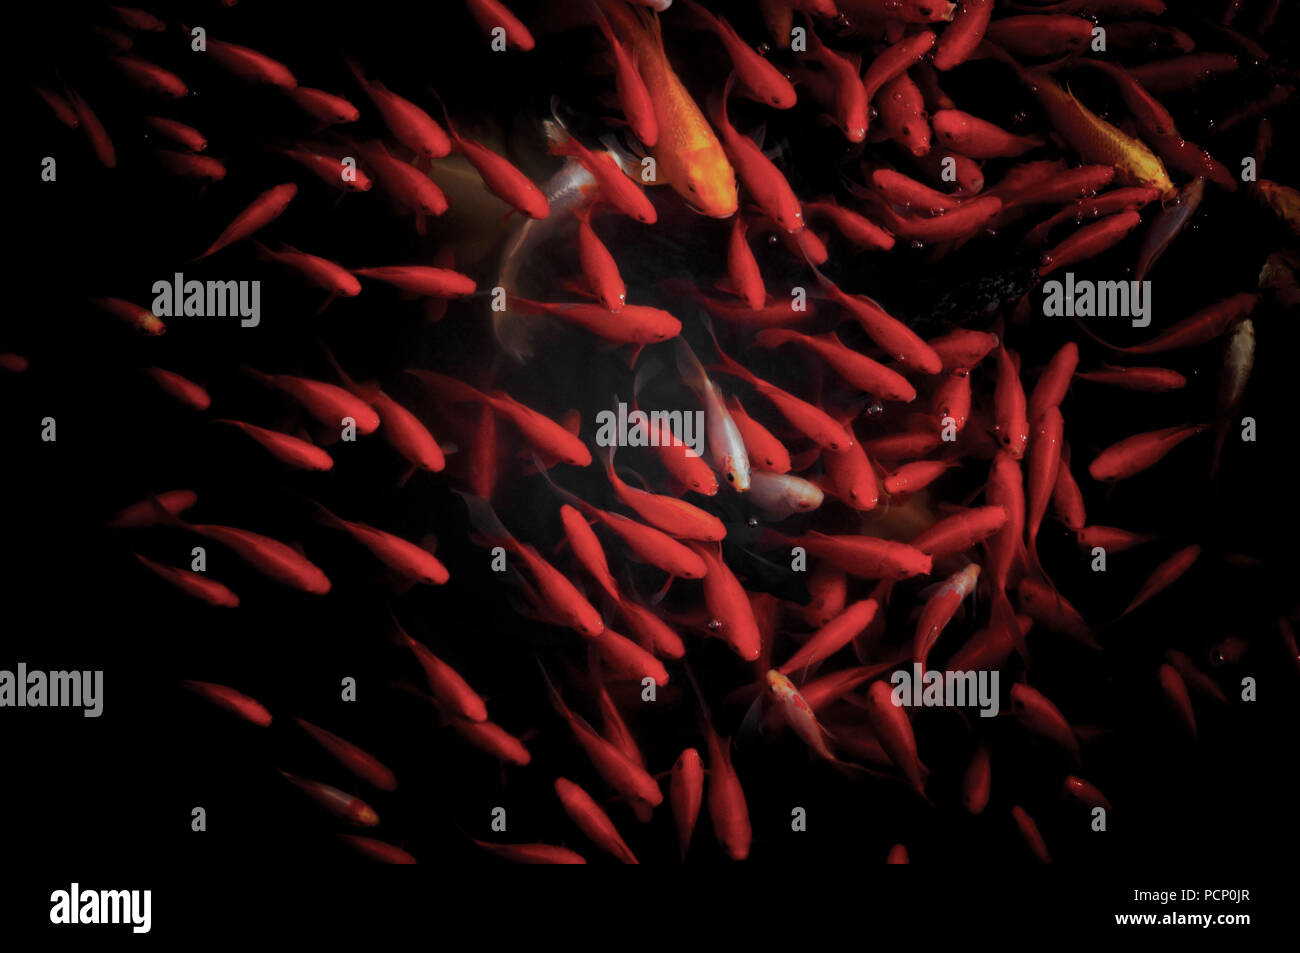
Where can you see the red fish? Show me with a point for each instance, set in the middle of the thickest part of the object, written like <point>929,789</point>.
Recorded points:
<point>599,266</point>
<point>1010,407</point>
<point>742,267</point>
<point>978,139</point>
<point>288,449</point>
<point>449,689</point>
<point>761,178</point>
<point>940,608</point>
<point>616,768</point>
<point>833,636</point>
<point>592,820</point>
<point>857,229</point>
<point>322,106</point>
<point>178,132</point>
<point>262,211</point>
<point>322,272</point>
<point>634,98</point>
<point>342,805</point>
<point>959,532</point>
<point>766,452</point>
<point>896,338</point>
<point>587,549</point>
<point>549,437</point>
<point>858,369</point>
<point>270,557</point>
<point>807,418</point>
<point>686,793</point>
<point>677,517</point>
<point>328,404</point>
<point>100,143</point>
<point>180,388</point>
<point>421,280</point>
<point>249,65</point>
<point>560,595</point>
<point>1111,539</point>
<point>190,166</point>
<point>409,124</point>
<point>192,583</point>
<point>728,604</point>
<point>1165,575</point>
<point>1030,834</point>
<point>1067,499</point>
<point>232,701</point>
<point>1089,241</point>
<point>493,739</point>
<point>492,15</point>
<point>1038,715</point>
<point>1084,792</point>
<point>364,765</point>
<point>894,730</point>
<point>959,40</point>
<point>500,176</point>
<point>154,511</point>
<point>150,77</point>
<point>1156,379</point>
<point>763,81</point>
<point>895,61</point>
<point>378,850</point>
<point>1139,452</point>
<point>1174,690</point>
<point>866,556</point>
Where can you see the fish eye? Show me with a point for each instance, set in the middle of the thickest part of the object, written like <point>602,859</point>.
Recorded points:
<point>731,478</point>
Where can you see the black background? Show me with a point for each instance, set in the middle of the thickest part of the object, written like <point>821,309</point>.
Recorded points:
<point>117,791</point>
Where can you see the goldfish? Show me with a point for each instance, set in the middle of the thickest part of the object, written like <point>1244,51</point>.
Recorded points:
<point>554,588</point>
<point>192,583</point>
<point>150,77</point>
<point>362,764</point>
<point>233,701</point>
<point>1039,716</point>
<point>677,517</point>
<point>89,123</point>
<point>409,124</point>
<point>858,369</point>
<point>894,730</point>
<point>1139,452</point>
<point>155,510</point>
<point>763,81</point>
<point>377,850</point>
<point>686,793</point>
<point>616,768</point>
<point>728,605</point>
<point>940,608</point>
<point>493,15</point>
<point>1165,575</point>
<point>421,280</point>
<point>322,106</point>
<point>688,155</point>
<point>612,184</point>
<point>760,176</point>
<point>592,820</point>
<point>289,450</point>
<point>961,38</point>
<point>178,132</point>
<point>180,388</point>
<point>867,556</point>
<point>322,272</point>
<point>832,636</point>
<point>342,805</point>
<point>539,430</point>
<point>262,211</point>
<point>247,64</point>
<point>633,96</point>
<point>1030,834</point>
<point>328,404</point>
<point>493,739</point>
<point>978,139</point>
